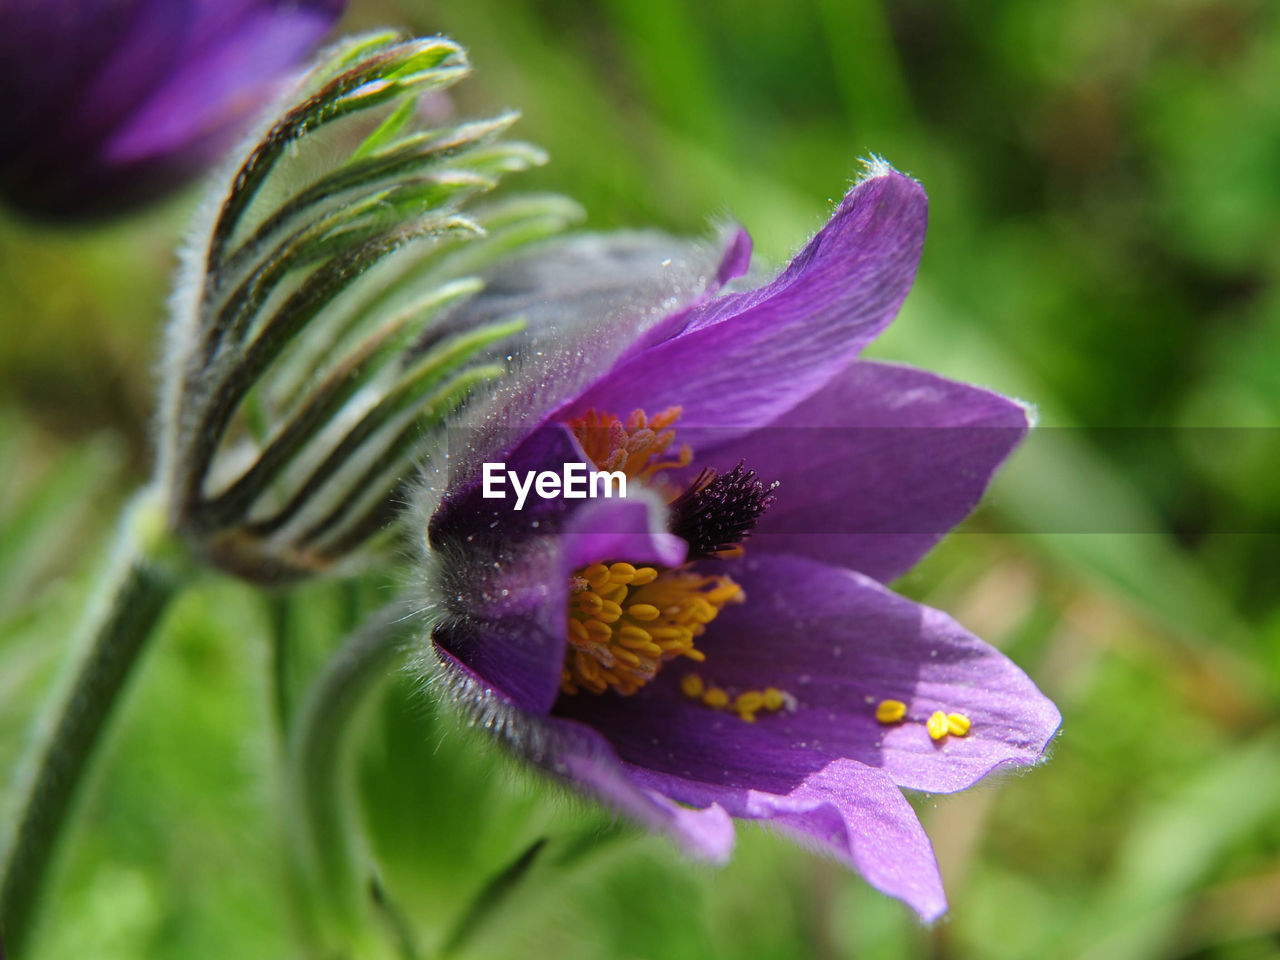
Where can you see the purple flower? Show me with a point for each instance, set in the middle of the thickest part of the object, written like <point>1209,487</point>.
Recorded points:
<point>720,643</point>
<point>110,103</point>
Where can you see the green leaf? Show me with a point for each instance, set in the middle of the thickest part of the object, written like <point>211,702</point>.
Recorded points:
<point>386,131</point>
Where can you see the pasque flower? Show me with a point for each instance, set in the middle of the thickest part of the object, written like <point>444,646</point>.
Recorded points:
<point>721,642</point>
<point>109,103</point>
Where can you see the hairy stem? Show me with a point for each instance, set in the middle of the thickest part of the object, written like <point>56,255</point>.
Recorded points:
<point>141,577</point>
<point>329,843</point>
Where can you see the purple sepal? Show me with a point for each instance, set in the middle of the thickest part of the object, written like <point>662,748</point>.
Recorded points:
<point>743,359</point>
<point>876,467</point>
<point>112,103</point>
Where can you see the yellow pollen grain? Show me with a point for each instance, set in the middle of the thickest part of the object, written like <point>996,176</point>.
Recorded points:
<point>622,573</point>
<point>749,702</point>
<point>626,656</point>
<point>957,724</point>
<point>643,611</point>
<point>703,612</point>
<point>633,636</point>
<point>717,698</point>
<point>891,711</point>
<point>728,593</point>
<point>937,725</point>
<point>746,704</point>
<point>589,601</point>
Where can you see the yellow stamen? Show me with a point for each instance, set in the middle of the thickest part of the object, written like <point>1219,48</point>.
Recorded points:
<point>622,573</point>
<point>632,636</point>
<point>596,575</point>
<point>937,725</point>
<point>625,621</point>
<point>691,686</point>
<point>636,447</point>
<point>891,711</point>
<point>957,724</point>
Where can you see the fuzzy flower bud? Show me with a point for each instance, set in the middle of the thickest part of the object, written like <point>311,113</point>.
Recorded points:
<point>312,350</point>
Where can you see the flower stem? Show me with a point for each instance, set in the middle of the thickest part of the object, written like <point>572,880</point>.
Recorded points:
<point>330,846</point>
<point>491,899</point>
<point>140,579</point>
<point>279,603</point>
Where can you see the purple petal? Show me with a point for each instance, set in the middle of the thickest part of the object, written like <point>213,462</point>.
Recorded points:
<point>226,77</point>
<point>737,257</point>
<point>845,808</point>
<point>875,467</point>
<point>582,759</point>
<point>839,642</point>
<point>633,529</point>
<point>52,51</point>
<point>588,300</point>
<point>465,514</point>
<point>506,599</point>
<point>743,359</point>
<point>139,61</point>
<point>504,618</point>
<point>115,102</point>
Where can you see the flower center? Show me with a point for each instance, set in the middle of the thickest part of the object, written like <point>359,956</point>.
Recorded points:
<point>625,621</point>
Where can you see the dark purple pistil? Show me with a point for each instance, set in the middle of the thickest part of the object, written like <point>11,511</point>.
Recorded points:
<point>719,510</point>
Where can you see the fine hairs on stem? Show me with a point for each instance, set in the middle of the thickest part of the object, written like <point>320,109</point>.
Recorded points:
<point>142,574</point>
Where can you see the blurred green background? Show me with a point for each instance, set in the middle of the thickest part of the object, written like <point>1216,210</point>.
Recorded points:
<point>1104,241</point>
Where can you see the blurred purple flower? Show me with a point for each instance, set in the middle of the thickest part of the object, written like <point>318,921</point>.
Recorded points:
<point>111,103</point>
<point>639,652</point>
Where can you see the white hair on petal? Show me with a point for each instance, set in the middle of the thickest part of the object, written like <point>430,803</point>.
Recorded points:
<point>874,165</point>
<point>479,708</point>
<point>1030,410</point>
